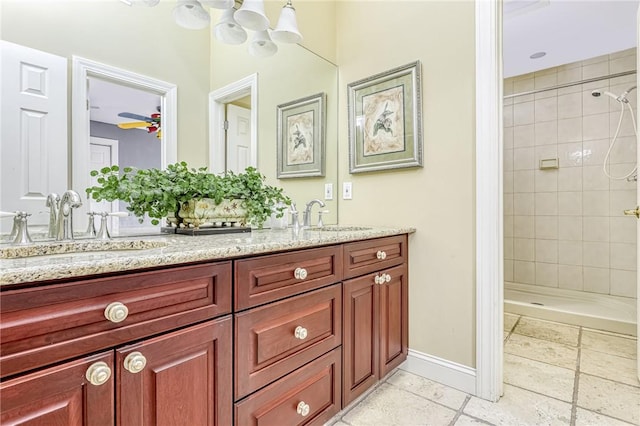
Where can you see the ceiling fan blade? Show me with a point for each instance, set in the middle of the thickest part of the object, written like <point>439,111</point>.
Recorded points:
<point>134,116</point>
<point>133,125</point>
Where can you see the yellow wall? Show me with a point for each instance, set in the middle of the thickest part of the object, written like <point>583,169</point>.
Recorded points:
<point>374,36</point>
<point>140,39</point>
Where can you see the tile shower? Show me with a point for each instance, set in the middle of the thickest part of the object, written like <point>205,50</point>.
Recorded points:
<point>564,228</point>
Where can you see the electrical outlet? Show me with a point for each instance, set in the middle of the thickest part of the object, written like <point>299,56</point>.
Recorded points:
<point>328,191</point>
<point>347,193</point>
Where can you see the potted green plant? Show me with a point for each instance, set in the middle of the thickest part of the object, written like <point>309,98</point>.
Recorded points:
<point>185,195</point>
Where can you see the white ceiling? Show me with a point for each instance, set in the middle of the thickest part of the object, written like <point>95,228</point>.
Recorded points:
<point>108,99</point>
<point>567,30</point>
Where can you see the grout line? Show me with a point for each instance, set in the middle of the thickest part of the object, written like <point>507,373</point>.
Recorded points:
<point>576,381</point>
<point>459,412</point>
<point>538,393</point>
<point>605,415</point>
<point>611,380</point>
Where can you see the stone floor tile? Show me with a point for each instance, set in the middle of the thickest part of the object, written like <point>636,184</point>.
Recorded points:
<point>609,398</point>
<point>547,330</point>
<point>589,418</point>
<point>469,421</point>
<point>519,407</point>
<point>388,405</point>
<point>611,343</point>
<point>609,366</point>
<point>542,350</point>
<point>536,376</point>
<point>505,334</point>
<point>509,321</point>
<point>426,388</point>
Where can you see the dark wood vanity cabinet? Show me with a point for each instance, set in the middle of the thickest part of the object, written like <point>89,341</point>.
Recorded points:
<point>375,315</point>
<point>305,333</point>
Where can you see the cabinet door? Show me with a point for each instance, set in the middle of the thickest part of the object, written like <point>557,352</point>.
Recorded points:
<point>61,395</point>
<point>360,337</point>
<point>393,318</point>
<point>181,378</point>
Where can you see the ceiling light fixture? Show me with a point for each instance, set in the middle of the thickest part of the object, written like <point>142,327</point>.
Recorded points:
<point>538,55</point>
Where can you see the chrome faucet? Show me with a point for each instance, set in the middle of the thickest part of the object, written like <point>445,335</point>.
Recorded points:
<point>53,200</point>
<point>70,200</point>
<point>306,222</point>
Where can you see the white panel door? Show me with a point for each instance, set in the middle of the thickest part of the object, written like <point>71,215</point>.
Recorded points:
<point>637,204</point>
<point>103,153</point>
<point>33,137</point>
<point>238,138</point>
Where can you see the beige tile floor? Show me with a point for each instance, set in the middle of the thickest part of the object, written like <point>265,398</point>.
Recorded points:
<point>554,374</point>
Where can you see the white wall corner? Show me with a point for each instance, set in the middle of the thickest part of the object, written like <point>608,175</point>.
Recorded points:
<point>440,370</point>
<point>489,203</point>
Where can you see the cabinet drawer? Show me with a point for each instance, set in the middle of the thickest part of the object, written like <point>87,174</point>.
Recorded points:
<point>42,325</point>
<point>373,255</point>
<point>308,396</point>
<point>268,278</point>
<point>274,340</point>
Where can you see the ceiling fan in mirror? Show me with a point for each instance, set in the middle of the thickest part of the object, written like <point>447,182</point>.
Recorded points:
<point>152,123</point>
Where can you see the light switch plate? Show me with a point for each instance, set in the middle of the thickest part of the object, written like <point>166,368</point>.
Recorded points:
<point>347,193</point>
<point>328,191</point>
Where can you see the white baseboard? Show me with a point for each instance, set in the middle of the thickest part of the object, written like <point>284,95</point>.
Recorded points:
<point>440,370</point>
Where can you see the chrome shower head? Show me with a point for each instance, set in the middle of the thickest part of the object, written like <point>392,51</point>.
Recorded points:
<point>597,93</point>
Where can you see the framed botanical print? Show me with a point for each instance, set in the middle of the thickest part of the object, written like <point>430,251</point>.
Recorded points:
<point>385,120</point>
<point>301,137</point>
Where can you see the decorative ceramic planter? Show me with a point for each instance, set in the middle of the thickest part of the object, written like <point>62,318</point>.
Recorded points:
<point>205,211</point>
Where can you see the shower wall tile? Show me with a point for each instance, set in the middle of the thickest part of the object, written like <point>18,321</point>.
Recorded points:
<point>595,60</point>
<point>523,181</point>
<point>623,53</point>
<point>545,180</point>
<point>507,137</point>
<point>523,159</point>
<point>593,179</point>
<point>524,84</point>
<point>595,126</point>
<point>507,182</point>
<point>570,229</point>
<point>626,128</point>
<point>570,105</point>
<point>570,130</point>
<point>524,136</point>
<point>624,151</point>
<point>623,256</point>
<point>546,203</point>
<point>595,254</point>
<point>620,201</point>
<point>596,280</point>
<point>508,248</point>
<point>623,229</point>
<point>595,203</point>
<point>546,94</point>
<point>508,160</point>
<point>594,152</point>
<point>508,270</point>
<point>523,203</point>
<point>546,133</point>
<point>523,113</point>
<point>621,170</point>
<point>570,253</point>
<point>570,277</point>
<point>593,105</point>
<point>546,251</point>
<point>507,199</point>
<point>523,226</point>
<point>546,79</point>
<point>524,272</point>
<point>570,179</point>
<point>570,203</point>
<point>507,116</point>
<point>524,249</point>
<point>508,226</point>
<point>546,109</point>
<point>596,228</point>
<point>547,274</point>
<point>626,63</point>
<point>623,283</point>
<point>546,227</point>
<point>598,69</point>
<point>570,154</point>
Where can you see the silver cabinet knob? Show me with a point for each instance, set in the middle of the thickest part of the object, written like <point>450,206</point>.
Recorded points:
<point>300,273</point>
<point>300,332</point>
<point>116,312</point>
<point>381,255</point>
<point>387,278</point>
<point>98,373</point>
<point>135,362</point>
<point>378,279</point>
<point>303,409</point>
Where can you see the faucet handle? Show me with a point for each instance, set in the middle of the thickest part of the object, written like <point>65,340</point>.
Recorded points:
<point>320,213</point>
<point>8,214</point>
<point>118,214</point>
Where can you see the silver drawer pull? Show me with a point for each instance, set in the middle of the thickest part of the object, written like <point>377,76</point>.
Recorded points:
<point>303,409</point>
<point>300,273</point>
<point>98,373</point>
<point>135,362</point>
<point>300,332</point>
<point>378,279</point>
<point>116,312</point>
<point>381,255</point>
<point>387,277</point>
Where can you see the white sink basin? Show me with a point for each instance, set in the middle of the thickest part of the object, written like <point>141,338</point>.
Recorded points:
<point>77,246</point>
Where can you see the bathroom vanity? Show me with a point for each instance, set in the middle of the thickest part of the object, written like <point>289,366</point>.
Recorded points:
<point>270,328</point>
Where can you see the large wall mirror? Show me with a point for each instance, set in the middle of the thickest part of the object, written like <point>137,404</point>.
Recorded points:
<point>147,41</point>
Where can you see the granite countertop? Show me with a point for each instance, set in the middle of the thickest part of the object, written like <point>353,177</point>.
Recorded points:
<point>177,249</point>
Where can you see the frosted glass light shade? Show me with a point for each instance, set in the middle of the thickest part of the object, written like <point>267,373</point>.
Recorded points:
<point>228,31</point>
<point>287,29</point>
<point>218,4</point>
<point>261,45</point>
<point>251,15</point>
<point>191,15</point>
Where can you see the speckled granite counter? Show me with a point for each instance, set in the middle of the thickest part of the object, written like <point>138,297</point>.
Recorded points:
<point>179,249</point>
